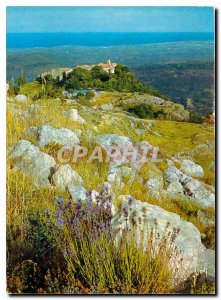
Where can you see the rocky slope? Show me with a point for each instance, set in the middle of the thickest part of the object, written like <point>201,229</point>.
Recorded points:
<point>176,192</point>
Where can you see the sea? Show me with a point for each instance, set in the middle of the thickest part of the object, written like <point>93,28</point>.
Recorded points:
<point>89,39</point>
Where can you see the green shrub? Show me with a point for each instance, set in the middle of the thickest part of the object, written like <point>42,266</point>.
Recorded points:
<point>195,118</point>
<point>89,95</point>
<point>143,111</point>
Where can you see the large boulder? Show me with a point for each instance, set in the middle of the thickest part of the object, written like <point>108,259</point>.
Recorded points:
<point>123,149</point>
<point>65,176</point>
<point>47,134</point>
<point>77,192</point>
<point>21,99</point>
<point>192,188</point>
<point>29,159</point>
<point>73,115</point>
<point>190,168</point>
<point>188,254</point>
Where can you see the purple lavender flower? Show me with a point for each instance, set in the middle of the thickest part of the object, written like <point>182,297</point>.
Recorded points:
<point>60,222</point>
<point>59,200</point>
<point>131,200</point>
<point>85,219</point>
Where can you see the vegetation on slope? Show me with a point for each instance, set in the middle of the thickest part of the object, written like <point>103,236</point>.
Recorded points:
<point>36,262</point>
<point>96,78</point>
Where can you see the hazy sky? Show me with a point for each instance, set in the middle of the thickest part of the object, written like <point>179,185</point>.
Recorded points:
<point>109,19</point>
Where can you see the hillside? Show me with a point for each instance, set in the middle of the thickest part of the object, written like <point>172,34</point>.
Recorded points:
<point>108,77</point>
<point>179,70</point>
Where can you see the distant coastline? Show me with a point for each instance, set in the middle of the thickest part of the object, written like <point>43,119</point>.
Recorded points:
<point>34,40</point>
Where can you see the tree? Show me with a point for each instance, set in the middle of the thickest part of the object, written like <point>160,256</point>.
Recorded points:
<point>143,111</point>
<point>16,89</point>
<point>120,69</point>
<point>21,80</point>
<point>98,73</point>
<point>195,118</point>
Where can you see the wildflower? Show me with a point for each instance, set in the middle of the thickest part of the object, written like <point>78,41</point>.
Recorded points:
<point>89,205</point>
<point>59,200</point>
<point>60,222</point>
<point>69,204</point>
<point>78,207</point>
<point>131,200</point>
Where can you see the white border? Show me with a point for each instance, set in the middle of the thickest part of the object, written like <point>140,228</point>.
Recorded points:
<point>213,3</point>
<point>3,3</point>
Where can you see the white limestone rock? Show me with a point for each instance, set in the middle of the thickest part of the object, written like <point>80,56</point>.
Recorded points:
<point>77,192</point>
<point>190,168</point>
<point>21,99</point>
<point>29,159</point>
<point>73,115</point>
<point>192,188</point>
<point>193,253</point>
<point>63,136</point>
<point>175,187</point>
<point>65,176</point>
<point>108,140</point>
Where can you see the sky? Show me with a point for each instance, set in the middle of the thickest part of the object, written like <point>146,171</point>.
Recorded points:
<point>109,19</point>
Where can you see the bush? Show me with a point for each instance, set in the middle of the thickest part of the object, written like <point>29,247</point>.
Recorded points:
<point>25,273</point>
<point>79,95</point>
<point>89,95</point>
<point>88,243</point>
<point>21,80</point>
<point>16,89</point>
<point>195,118</point>
<point>143,111</point>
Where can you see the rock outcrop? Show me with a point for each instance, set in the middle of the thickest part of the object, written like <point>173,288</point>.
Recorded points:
<point>77,192</point>
<point>66,176</point>
<point>47,134</point>
<point>116,176</point>
<point>107,140</point>
<point>32,161</point>
<point>190,168</point>
<point>192,188</point>
<point>44,170</point>
<point>188,254</point>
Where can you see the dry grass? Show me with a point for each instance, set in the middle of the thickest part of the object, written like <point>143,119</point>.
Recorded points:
<point>24,199</point>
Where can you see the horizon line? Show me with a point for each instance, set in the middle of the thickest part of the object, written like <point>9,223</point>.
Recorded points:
<point>111,32</point>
